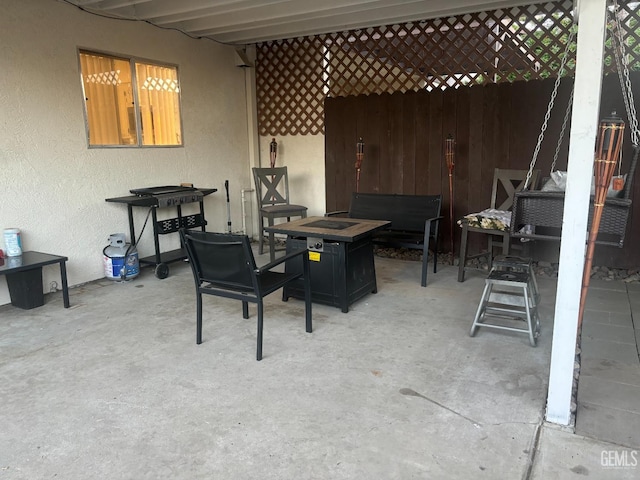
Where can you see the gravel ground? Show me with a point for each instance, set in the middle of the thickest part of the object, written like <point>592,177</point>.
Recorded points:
<point>542,269</point>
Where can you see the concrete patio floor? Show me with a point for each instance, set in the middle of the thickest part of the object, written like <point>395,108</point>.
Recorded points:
<point>609,388</point>
<point>115,387</point>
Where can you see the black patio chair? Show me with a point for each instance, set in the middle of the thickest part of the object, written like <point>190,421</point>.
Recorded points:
<point>224,265</point>
<point>272,191</point>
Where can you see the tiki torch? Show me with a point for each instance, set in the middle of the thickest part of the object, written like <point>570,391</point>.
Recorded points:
<point>609,142</point>
<point>273,152</point>
<point>449,156</point>
<point>359,158</point>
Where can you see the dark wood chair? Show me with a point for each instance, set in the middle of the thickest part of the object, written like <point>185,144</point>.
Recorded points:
<point>224,265</point>
<point>272,191</point>
<point>506,183</point>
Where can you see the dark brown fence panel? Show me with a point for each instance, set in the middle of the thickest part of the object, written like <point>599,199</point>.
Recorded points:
<point>423,125</point>
<point>494,126</point>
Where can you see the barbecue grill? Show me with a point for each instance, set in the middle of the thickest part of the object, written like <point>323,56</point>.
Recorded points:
<point>163,197</point>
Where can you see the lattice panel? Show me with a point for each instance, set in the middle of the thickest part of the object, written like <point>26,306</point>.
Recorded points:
<point>290,95</point>
<point>521,43</point>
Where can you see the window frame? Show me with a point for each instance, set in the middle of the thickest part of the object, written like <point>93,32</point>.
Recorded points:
<point>132,60</point>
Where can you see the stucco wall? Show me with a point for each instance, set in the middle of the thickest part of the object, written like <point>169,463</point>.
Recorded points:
<point>303,155</point>
<point>53,187</point>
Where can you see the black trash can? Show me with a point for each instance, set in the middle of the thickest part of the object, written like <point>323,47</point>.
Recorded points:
<point>25,288</point>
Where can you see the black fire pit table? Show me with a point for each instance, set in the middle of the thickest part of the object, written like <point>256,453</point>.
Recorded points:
<point>161,197</point>
<point>340,254</point>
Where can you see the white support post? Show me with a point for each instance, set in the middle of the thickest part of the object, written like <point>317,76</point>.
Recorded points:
<point>252,122</point>
<point>584,125</point>
<point>252,110</point>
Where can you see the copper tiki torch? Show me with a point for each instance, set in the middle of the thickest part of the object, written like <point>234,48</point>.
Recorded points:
<point>359,158</point>
<point>449,156</point>
<point>273,152</point>
<point>608,146</point>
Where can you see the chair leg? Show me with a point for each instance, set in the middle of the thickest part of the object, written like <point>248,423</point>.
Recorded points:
<point>272,244</point>
<point>506,243</point>
<point>425,261</point>
<point>261,235</point>
<point>259,347</point>
<point>435,256</point>
<point>306,271</point>
<point>198,318</point>
<point>245,309</point>
<point>490,248</point>
<point>463,252</point>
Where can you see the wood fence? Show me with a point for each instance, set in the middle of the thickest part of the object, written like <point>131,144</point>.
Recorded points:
<point>495,125</point>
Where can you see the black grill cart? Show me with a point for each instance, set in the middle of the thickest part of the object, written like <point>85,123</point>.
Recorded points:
<point>165,197</point>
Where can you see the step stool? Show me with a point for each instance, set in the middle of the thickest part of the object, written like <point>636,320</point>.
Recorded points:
<point>518,264</point>
<point>509,294</point>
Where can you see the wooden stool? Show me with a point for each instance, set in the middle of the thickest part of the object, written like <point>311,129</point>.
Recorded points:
<point>508,295</point>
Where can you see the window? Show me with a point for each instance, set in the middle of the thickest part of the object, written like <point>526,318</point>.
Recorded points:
<point>129,102</point>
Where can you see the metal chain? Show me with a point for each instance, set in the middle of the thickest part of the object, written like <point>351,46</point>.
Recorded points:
<point>547,115</point>
<point>625,84</point>
<point>615,41</point>
<point>564,127</point>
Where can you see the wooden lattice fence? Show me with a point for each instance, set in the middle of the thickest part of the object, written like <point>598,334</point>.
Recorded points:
<point>294,76</point>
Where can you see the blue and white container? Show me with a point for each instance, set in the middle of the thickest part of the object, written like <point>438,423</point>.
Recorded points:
<point>13,242</point>
<point>120,259</point>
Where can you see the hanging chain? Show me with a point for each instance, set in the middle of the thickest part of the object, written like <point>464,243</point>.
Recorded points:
<point>547,115</point>
<point>615,40</point>
<point>625,82</point>
<point>564,128</point>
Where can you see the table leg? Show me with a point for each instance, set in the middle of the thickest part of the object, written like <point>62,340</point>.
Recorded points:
<point>156,240</point>
<point>65,285</point>
<point>463,251</point>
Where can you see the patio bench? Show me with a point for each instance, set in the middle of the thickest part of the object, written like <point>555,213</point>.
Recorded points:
<point>414,220</point>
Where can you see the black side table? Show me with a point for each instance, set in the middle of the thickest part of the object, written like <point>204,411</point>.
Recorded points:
<point>24,278</point>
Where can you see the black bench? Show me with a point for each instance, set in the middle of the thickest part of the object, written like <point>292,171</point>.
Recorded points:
<point>414,220</point>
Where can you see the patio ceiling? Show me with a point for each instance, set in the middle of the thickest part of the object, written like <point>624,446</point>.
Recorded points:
<point>251,21</point>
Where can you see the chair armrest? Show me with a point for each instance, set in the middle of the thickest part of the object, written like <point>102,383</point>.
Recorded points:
<point>428,221</point>
<point>427,228</point>
<point>336,213</point>
<point>280,260</point>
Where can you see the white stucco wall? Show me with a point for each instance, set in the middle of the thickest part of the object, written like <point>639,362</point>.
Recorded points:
<point>303,155</point>
<point>53,187</point>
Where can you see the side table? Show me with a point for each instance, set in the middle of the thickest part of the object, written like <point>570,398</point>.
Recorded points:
<point>24,278</point>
